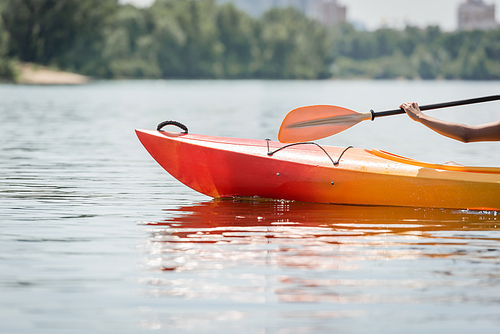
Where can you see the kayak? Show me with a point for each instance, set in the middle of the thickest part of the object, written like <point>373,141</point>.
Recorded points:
<point>222,167</point>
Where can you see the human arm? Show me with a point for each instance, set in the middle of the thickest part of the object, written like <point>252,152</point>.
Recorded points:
<point>457,131</point>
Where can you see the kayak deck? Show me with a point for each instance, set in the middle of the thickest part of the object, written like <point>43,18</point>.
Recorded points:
<point>457,168</point>
<point>229,167</point>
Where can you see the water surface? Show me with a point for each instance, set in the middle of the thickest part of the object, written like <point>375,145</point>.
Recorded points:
<point>96,237</point>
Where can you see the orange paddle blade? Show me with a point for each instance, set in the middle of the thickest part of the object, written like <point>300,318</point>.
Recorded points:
<point>316,122</point>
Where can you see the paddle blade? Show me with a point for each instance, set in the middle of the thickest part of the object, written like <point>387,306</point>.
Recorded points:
<point>316,122</point>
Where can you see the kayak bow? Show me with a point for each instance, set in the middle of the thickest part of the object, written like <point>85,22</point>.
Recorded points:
<point>229,167</point>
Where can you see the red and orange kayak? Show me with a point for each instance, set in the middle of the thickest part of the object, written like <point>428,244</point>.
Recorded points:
<point>228,167</point>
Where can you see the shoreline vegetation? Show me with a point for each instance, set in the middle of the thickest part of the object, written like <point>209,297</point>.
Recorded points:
<point>71,41</point>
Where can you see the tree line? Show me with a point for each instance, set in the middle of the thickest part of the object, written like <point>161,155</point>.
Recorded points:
<point>202,39</point>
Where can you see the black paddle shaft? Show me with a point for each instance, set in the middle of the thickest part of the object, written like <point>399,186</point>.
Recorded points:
<point>438,105</point>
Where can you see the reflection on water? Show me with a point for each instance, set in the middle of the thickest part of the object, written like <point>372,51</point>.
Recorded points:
<point>350,261</point>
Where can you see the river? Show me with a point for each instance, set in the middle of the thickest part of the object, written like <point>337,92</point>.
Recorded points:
<point>96,237</point>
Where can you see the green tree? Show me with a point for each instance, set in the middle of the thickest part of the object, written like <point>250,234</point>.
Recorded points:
<point>474,66</point>
<point>386,40</point>
<point>201,39</point>
<point>363,46</point>
<point>492,44</point>
<point>411,38</point>
<point>60,32</point>
<point>128,46</point>
<point>293,47</point>
<point>237,33</point>
<point>7,69</point>
<point>44,29</point>
<point>358,45</point>
<point>190,47</point>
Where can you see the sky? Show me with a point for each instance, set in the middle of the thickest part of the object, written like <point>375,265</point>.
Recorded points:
<point>397,13</point>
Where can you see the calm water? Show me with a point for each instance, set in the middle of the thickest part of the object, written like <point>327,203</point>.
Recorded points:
<point>96,237</point>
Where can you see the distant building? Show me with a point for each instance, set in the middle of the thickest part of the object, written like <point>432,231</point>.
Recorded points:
<point>475,14</point>
<point>328,12</point>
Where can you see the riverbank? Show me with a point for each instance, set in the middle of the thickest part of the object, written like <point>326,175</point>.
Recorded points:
<point>31,74</point>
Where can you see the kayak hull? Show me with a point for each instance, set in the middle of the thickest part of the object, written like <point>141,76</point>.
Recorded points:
<point>229,167</point>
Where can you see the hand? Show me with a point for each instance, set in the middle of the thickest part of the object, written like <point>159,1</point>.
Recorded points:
<point>412,109</point>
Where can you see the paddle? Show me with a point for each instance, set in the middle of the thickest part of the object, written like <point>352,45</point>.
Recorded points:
<point>320,121</point>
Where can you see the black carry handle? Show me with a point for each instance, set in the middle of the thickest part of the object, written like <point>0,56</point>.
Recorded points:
<point>178,124</point>
<point>438,105</point>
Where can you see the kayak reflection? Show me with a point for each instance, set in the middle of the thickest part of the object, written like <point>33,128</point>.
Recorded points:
<point>263,212</point>
<point>324,253</point>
